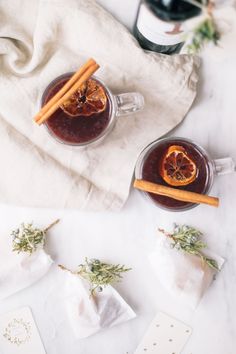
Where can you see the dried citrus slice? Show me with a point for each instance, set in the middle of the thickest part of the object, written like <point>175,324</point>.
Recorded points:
<point>177,168</point>
<point>89,99</point>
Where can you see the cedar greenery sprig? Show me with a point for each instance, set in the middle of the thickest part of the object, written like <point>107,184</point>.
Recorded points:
<point>188,239</point>
<point>28,238</point>
<point>206,31</point>
<point>98,274</point>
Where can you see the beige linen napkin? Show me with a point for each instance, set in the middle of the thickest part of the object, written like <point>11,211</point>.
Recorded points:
<point>40,40</point>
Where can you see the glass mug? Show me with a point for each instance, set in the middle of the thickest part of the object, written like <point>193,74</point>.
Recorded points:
<point>83,131</point>
<point>149,159</point>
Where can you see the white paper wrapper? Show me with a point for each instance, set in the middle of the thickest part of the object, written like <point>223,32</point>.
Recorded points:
<point>182,275</point>
<point>18,271</point>
<point>88,315</point>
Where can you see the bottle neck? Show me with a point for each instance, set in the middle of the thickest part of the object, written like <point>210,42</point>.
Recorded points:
<point>173,10</point>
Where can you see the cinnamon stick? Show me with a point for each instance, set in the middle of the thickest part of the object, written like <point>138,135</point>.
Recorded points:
<point>64,89</point>
<point>174,193</point>
<point>83,78</point>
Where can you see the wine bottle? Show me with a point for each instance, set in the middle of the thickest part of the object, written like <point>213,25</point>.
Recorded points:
<point>159,24</point>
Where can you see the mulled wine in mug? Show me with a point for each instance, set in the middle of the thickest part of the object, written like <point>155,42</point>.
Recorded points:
<point>90,113</point>
<point>179,163</point>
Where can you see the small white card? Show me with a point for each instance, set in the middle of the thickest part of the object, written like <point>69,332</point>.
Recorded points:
<point>19,334</point>
<point>165,335</point>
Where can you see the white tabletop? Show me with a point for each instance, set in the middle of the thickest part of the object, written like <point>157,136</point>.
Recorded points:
<point>128,236</point>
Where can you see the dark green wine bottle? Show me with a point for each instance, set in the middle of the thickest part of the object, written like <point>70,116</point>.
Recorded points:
<point>159,24</point>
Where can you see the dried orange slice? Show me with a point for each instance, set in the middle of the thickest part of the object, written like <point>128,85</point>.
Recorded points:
<point>88,100</point>
<point>177,168</point>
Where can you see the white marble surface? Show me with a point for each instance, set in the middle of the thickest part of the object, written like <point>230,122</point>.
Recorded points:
<point>128,236</point>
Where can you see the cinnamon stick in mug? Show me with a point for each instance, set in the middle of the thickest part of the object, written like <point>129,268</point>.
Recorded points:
<point>175,193</point>
<point>81,76</point>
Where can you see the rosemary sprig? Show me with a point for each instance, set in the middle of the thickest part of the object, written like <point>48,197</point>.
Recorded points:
<point>98,274</point>
<point>28,238</point>
<point>188,239</point>
<point>204,33</point>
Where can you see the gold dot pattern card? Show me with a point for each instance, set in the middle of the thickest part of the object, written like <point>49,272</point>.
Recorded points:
<point>19,334</point>
<point>165,335</point>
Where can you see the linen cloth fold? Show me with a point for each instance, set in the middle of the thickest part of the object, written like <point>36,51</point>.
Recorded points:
<point>49,38</point>
<point>183,275</point>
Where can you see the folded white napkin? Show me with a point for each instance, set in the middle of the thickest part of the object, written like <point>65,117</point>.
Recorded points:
<point>184,276</point>
<point>89,314</point>
<point>48,39</point>
<point>18,271</point>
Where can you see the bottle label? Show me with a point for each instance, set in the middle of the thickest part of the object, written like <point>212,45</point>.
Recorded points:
<point>158,31</point>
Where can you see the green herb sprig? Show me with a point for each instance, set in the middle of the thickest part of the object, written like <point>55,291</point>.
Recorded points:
<point>28,238</point>
<point>206,31</point>
<point>188,239</point>
<point>98,274</point>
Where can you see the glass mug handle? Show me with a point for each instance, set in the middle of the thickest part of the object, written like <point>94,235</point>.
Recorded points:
<point>224,166</point>
<point>129,103</point>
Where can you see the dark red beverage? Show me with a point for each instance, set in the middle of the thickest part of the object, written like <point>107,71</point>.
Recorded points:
<point>149,170</point>
<point>76,130</point>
